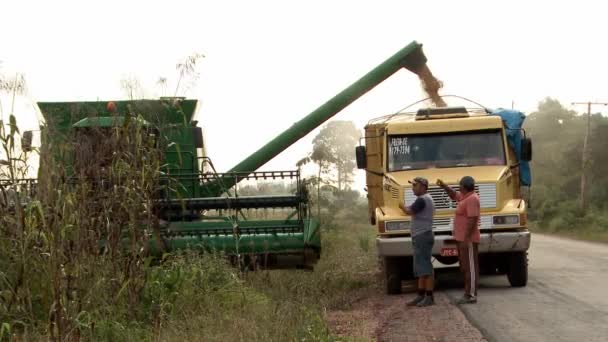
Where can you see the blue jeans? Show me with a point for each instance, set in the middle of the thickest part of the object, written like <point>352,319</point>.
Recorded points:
<point>423,249</point>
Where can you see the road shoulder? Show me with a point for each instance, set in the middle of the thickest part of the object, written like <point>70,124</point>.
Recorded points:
<point>379,317</point>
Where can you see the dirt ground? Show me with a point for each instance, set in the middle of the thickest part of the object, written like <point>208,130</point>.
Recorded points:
<point>374,316</point>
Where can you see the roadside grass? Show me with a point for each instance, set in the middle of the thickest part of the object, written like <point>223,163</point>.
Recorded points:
<point>281,305</point>
<point>57,285</point>
<point>568,221</point>
<point>194,297</point>
<point>582,234</point>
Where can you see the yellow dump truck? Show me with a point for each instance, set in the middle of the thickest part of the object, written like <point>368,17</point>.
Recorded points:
<point>449,143</point>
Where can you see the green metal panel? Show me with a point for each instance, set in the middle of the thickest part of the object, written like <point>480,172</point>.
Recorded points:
<point>312,232</point>
<point>410,57</point>
<point>62,115</point>
<point>259,243</point>
<point>106,121</point>
<point>188,235</point>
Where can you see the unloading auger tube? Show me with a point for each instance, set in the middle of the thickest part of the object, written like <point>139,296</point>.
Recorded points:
<point>410,57</point>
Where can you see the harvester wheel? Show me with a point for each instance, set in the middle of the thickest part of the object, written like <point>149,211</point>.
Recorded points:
<point>392,275</point>
<point>255,263</point>
<point>518,269</point>
<point>311,257</point>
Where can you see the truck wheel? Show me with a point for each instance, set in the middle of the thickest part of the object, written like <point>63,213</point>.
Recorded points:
<point>407,268</point>
<point>392,275</point>
<point>518,269</point>
<point>487,264</point>
<point>502,263</point>
<point>447,260</point>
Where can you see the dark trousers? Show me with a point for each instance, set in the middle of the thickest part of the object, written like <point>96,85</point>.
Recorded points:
<point>469,266</point>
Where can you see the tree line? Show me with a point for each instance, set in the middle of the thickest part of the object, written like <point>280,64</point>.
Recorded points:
<point>558,136</point>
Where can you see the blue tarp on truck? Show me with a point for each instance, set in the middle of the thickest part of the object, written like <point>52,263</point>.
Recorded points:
<point>514,121</point>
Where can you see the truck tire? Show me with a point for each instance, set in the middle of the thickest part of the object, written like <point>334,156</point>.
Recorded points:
<point>502,263</point>
<point>406,265</point>
<point>518,269</point>
<point>392,275</point>
<point>488,264</point>
<point>447,260</point>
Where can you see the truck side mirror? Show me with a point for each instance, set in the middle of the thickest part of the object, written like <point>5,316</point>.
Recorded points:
<point>197,135</point>
<point>526,149</point>
<point>361,157</point>
<point>26,141</point>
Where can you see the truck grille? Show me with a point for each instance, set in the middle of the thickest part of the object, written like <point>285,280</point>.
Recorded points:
<point>486,192</point>
<point>446,224</point>
<point>395,193</point>
<point>442,224</point>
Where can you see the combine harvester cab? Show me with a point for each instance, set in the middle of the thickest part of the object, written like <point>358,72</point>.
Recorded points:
<point>209,211</point>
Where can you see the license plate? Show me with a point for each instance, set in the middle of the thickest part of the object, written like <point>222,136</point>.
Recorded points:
<point>449,252</point>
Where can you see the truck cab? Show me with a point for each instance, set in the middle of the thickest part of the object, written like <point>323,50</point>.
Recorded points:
<point>449,143</point>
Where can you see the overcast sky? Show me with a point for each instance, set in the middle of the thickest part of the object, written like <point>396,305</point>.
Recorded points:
<point>269,63</point>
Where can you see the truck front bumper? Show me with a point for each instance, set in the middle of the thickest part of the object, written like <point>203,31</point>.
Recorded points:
<point>490,243</point>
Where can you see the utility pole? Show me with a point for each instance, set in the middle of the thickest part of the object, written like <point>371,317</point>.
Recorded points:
<point>585,163</point>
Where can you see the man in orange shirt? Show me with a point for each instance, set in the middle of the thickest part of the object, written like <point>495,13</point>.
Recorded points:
<point>466,234</point>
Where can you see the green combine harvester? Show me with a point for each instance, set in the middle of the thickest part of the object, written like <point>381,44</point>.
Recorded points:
<point>293,240</point>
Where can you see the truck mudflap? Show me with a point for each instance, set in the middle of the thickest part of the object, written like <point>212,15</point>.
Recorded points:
<point>490,243</point>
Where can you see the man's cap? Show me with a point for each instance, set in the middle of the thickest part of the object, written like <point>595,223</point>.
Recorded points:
<point>419,180</point>
<point>467,182</point>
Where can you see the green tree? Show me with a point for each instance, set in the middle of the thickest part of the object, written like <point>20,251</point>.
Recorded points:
<point>322,180</point>
<point>334,148</point>
<point>555,131</point>
<point>558,144</point>
<point>599,163</point>
<point>333,153</point>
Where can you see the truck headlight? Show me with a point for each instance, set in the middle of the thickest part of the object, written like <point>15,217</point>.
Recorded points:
<point>391,226</point>
<point>506,220</point>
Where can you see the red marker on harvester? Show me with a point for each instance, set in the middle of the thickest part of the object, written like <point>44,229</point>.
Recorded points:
<point>111,107</point>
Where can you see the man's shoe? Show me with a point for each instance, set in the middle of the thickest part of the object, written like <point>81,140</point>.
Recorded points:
<point>427,301</point>
<point>467,300</point>
<point>415,301</point>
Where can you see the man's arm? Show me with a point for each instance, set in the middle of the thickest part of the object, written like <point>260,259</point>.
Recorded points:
<point>416,207</point>
<point>453,194</point>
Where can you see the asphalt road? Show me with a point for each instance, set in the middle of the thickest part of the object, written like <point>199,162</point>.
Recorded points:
<point>566,298</point>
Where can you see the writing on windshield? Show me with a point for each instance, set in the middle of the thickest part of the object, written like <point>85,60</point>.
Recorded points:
<point>458,149</point>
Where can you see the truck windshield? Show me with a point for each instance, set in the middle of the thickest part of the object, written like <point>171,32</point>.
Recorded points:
<point>458,149</point>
